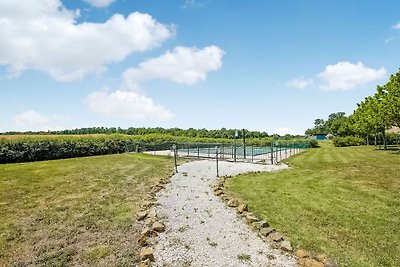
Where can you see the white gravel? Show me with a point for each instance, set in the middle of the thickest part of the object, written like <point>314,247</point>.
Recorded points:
<point>201,230</point>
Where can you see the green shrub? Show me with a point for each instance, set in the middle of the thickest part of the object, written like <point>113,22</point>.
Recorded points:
<point>348,141</point>
<point>48,147</point>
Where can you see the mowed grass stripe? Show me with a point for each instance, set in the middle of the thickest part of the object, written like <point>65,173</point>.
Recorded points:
<point>75,212</point>
<point>340,201</point>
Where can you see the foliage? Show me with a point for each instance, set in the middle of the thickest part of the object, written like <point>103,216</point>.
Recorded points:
<point>342,202</point>
<point>337,124</point>
<point>191,133</point>
<point>48,147</point>
<point>348,141</point>
<point>373,116</point>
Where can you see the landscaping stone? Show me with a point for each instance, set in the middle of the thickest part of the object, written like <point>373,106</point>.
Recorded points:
<point>242,208</point>
<point>158,227</point>
<point>141,215</point>
<point>216,188</point>
<point>143,241</point>
<point>266,231</point>
<point>148,232</point>
<point>233,203</point>
<point>146,253</point>
<point>302,254</point>
<point>151,213</point>
<point>145,263</point>
<point>263,224</point>
<point>286,246</point>
<point>307,262</point>
<point>276,237</point>
<point>251,218</point>
<point>218,192</point>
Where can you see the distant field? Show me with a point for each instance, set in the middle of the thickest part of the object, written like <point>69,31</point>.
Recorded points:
<point>344,202</point>
<point>78,212</point>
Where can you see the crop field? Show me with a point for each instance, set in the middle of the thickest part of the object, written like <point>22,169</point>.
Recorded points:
<point>343,202</point>
<point>78,212</point>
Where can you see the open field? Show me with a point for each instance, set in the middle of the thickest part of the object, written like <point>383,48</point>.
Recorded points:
<point>77,212</point>
<point>344,202</point>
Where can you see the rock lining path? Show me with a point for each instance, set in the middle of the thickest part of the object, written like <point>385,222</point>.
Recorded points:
<point>201,230</point>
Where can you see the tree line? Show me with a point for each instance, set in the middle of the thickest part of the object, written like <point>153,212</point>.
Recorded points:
<point>373,117</point>
<point>193,133</point>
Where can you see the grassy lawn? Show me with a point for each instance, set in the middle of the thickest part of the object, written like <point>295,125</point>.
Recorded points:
<point>75,212</point>
<point>344,202</point>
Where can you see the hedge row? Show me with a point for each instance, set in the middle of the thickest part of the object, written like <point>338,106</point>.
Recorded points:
<point>36,148</point>
<point>348,141</point>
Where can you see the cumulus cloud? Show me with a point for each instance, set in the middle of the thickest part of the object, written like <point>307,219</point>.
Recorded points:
<point>182,65</point>
<point>99,3</point>
<point>396,26</point>
<point>44,35</point>
<point>126,104</point>
<point>34,121</point>
<point>299,83</point>
<point>284,131</point>
<point>346,75</point>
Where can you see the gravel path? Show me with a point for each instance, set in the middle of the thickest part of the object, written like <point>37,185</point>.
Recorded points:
<point>201,230</point>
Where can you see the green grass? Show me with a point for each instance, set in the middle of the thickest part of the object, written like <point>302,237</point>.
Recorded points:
<point>75,212</point>
<point>344,202</point>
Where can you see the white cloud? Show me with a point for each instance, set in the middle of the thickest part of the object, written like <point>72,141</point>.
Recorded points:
<point>34,121</point>
<point>299,83</point>
<point>44,35</point>
<point>99,3</point>
<point>396,26</point>
<point>182,65</point>
<point>192,4</point>
<point>284,131</point>
<point>126,104</point>
<point>390,39</point>
<point>346,75</point>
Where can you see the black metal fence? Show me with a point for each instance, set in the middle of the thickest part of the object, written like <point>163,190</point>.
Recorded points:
<point>270,154</point>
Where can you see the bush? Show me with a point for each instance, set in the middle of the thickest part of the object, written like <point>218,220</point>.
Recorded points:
<point>348,141</point>
<point>48,147</point>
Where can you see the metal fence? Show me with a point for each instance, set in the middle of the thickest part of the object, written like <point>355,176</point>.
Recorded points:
<point>270,154</point>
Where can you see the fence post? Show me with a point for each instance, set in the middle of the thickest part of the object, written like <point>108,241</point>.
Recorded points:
<point>234,151</point>
<point>176,166</point>
<point>216,156</point>
<point>285,151</point>
<point>198,151</point>
<point>272,153</point>
<point>252,153</point>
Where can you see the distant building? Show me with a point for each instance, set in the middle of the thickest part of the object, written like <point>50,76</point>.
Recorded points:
<point>318,136</point>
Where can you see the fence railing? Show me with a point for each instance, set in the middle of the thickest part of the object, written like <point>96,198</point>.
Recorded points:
<point>270,154</point>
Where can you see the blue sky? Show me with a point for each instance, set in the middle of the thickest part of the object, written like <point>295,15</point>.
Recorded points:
<point>263,65</point>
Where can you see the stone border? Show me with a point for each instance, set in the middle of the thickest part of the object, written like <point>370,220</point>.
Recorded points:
<point>266,232</point>
<point>152,225</point>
